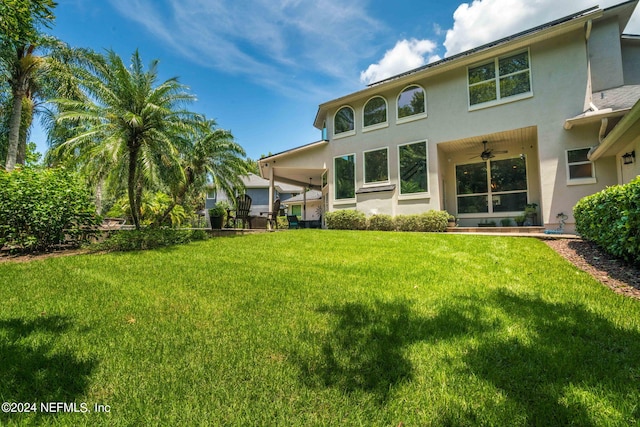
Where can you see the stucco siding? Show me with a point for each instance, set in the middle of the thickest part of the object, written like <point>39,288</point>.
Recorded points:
<point>631,61</point>
<point>606,55</point>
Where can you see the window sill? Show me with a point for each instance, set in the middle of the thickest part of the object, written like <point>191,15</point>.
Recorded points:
<point>583,181</point>
<point>410,119</point>
<point>345,202</point>
<point>414,196</point>
<point>375,127</point>
<point>344,134</point>
<point>376,188</point>
<point>503,101</point>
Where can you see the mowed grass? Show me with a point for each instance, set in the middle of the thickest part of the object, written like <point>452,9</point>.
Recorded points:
<point>316,327</point>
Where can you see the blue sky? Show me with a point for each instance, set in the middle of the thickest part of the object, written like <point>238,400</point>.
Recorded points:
<point>260,68</point>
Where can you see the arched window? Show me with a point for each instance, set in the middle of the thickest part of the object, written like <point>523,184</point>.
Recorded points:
<point>375,111</point>
<point>411,102</point>
<point>344,120</point>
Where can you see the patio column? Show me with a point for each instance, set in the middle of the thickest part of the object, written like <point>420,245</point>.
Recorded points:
<point>304,204</point>
<point>272,193</point>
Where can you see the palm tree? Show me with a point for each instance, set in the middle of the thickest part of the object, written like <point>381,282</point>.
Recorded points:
<point>214,155</point>
<point>135,124</point>
<point>34,73</point>
<point>19,38</point>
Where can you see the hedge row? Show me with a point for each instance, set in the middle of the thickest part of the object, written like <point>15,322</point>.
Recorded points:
<point>148,238</point>
<point>349,219</point>
<point>611,219</point>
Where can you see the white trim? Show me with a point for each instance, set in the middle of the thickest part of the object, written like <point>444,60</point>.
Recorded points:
<point>420,195</point>
<point>412,117</point>
<point>364,169</point>
<point>335,181</point>
<point>579,181</point>
<point>347,132</point>
<point>376,126</point>
<point>499,100</point>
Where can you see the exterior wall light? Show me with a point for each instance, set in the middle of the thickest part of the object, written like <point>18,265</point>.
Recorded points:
<point>628,158</point>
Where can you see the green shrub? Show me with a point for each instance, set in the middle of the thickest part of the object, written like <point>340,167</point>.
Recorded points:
<point>433,221</point>
<point>40,208</point>
<point>406,222</point>
<point>381,222</point>
<point>348,219</point>
<point>148,238</point>
<point>611,219</point>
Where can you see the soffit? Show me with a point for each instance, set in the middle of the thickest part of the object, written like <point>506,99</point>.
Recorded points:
<point>497,141</point>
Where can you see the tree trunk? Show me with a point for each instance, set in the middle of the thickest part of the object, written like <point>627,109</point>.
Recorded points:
<point>131,186</point>
<point>14,131</point>
<point>26,119</point>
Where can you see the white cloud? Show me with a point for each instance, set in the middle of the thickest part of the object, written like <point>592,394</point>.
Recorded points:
<point>484,21</point>
<point>267,40</point>
<point>405,55</point>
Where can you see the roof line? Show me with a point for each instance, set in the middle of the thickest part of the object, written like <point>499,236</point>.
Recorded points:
<point>301,147</point>
<point>491,44</point>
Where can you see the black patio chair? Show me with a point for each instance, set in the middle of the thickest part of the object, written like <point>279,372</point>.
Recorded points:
<point>243,206</point>
<point>272,217</point>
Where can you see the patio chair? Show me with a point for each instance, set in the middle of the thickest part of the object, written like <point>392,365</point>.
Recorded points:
<point>272,217</point>
<point>293,221</point>
<point>243,206</point>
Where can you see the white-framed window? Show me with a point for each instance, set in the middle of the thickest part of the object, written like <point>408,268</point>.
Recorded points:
<point>503,79</point>
<point>492,186</point>
<point>376,166</point>
<point>374,114</point>
<point>324,179</point>
<point>344,179</point>
<point>580,170</point>
<point>412,104</point>
<point>344,122</point>
<point>413,168</point>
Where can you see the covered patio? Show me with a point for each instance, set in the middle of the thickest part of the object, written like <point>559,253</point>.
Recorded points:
<point>296,167</point>
<point>491,177</point>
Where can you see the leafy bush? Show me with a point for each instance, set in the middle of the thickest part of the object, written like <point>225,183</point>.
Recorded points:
<point>347,219</point>
<point>611,219</point>
<point>433,221</point>
<point>381,222</point>
<point>406,222</point>
<point>40,208</point>
<point>148,238</point>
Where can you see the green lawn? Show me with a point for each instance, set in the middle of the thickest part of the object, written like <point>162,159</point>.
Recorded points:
<point>316,327</point>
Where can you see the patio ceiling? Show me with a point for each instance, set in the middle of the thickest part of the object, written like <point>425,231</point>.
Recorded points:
<point>497,141</point>
<point>302,177</point>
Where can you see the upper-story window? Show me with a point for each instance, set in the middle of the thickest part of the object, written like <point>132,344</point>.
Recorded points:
<point>411,103</point>
<point>344,122</point>
<point>375,112</point>
<point>501,79</point>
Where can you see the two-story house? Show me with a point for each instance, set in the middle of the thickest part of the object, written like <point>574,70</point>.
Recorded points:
<point>546,116</point>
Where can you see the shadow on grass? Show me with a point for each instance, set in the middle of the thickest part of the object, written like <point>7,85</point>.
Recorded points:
<point>31,370</point>
<point>365,350</point>
<point>553,363</point>
<point>577,363</point>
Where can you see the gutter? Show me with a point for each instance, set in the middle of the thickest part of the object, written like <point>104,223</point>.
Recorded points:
<point>631,119</point>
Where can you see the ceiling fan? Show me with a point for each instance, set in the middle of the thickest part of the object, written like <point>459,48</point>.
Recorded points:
<point>488,153</point>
